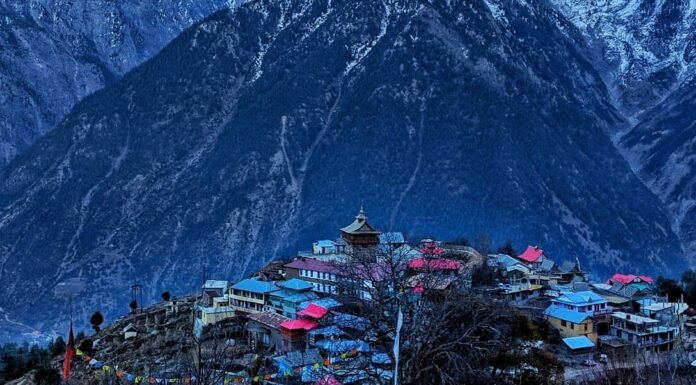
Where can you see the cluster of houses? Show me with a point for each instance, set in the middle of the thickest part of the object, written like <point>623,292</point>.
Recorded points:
<point>618,317</point>
<point>301,311</point>
<point>298,310</point>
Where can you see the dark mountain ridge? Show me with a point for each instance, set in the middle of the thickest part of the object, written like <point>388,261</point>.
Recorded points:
<point>263,128</point>
<point>54,53</point>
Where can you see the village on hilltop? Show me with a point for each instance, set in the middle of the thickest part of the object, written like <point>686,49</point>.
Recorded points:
<point>333,314</point>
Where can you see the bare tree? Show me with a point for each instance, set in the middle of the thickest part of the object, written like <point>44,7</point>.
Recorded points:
<point>448,335</point>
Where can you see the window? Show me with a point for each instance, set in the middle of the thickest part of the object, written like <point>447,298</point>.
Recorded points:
<point>564,323</point>
<point>585,327</point>
<point>572,326</point>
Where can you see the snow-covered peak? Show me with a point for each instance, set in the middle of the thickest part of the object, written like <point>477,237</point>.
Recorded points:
<point>648,47</point>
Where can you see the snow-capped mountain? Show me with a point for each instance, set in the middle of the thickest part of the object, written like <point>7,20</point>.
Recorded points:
<point>645,48</point>
<point>265,127</point>
<point>646,51</point>
<point>53,53</point>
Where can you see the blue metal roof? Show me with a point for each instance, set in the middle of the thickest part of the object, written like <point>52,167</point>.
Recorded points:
<point>381,358</point>
<point>255,286</point>
<point>573,316</point>
<point>326,243</point>
<point>350,321</point>
<point>326,303</point>
<point>507,261</point>
<point>581,298</point>
<point>331,331</point>
<point>296,284</point>
<point>343,345</point>
<point>293,296</point>
<point>581,342</point>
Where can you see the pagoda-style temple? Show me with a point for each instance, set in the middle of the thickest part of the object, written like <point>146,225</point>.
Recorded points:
<point>360,234</point>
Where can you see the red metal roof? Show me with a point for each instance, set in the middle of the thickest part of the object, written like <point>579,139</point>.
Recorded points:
<point>623,279</point>
<point>435,264</point>
<point>297,324</point>
<point>314,311</point>
<point>431,249</point>
<point>645,278</point>
<point>312,264</point>
<point>626,279</point>
<point>532,254</point>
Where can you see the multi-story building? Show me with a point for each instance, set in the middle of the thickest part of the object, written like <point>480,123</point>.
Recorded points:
<point>251,295</point>
<point>643,332</point>
<point>571,323</point>
<point>587,302</point>
<point>291,295</point>
<point>322,275</point>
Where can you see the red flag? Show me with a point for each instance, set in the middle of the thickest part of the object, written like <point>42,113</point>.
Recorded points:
<point>69,354</point>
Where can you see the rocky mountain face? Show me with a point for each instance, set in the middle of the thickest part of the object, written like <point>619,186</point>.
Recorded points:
<point>53,53</point>
<point>646,50</point>
<point>663,150</point>
<point>265,127</point>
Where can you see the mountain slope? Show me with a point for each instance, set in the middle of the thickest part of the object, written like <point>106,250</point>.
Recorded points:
<point>663,149</point>
<point>265,127</point>
<point>54,53</point>
<point>645,48</point>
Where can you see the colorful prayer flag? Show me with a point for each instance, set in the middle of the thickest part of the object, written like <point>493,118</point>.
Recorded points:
<point>69,353</point>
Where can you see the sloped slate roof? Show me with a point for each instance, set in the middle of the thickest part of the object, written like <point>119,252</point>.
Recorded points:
<point>360,225</point>
<point>269,318</point>
<point>312,264</point>
<point>547,265</point>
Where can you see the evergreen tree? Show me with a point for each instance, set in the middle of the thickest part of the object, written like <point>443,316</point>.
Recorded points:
<point>96,320</point>
<point>507,249</point>
<point>58,347</point>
